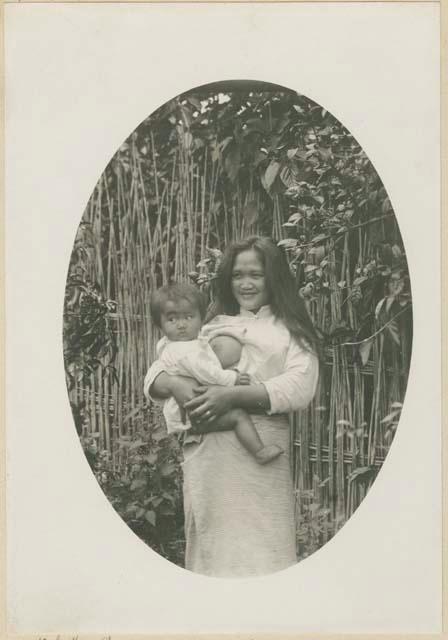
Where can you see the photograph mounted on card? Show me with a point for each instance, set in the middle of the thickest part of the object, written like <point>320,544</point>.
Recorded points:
<point>237,201</point>
<point>223,318</point>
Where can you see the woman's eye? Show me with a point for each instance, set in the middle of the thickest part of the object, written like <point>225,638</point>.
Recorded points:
<point>236,276</point>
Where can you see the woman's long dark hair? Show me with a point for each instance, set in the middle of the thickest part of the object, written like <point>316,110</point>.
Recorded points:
<point>284,298</point>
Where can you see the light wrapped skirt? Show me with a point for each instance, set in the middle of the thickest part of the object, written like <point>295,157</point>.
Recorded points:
<point>239,515</point>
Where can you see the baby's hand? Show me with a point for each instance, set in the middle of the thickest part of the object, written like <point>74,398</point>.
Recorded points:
<point>243,379</point>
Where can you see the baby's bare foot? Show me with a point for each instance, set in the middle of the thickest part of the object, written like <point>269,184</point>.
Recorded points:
<point>267,454</point>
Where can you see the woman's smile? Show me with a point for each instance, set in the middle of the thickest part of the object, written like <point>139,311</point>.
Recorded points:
<point>248,281</point>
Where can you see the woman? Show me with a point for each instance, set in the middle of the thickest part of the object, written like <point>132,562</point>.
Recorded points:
<point>239,516</point>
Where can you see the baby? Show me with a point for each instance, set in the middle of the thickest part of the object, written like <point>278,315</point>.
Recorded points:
<point>179,310</point>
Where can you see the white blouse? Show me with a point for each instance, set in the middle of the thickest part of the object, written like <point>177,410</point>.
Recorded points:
<point>288,371</point>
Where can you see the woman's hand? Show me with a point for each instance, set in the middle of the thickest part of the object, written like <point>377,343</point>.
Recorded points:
<point>210,403</point>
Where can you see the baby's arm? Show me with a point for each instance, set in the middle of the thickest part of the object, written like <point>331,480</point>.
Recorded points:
<point>227,349</point>
<point>203,366</point>
<point>244,379</point>
<point>154,371</point>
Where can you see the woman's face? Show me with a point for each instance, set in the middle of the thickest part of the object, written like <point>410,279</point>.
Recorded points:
<point>248,281</point>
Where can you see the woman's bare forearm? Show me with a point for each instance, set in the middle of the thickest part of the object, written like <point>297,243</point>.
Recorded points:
<point>211,402</point>
<point>253,398</point>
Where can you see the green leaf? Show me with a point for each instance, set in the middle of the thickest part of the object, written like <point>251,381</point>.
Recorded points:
<point>378,307</point>
<point>389,302</point>
<point>392,329</point>
<point>250,212</point>
<point>259,157</point>
<point>271,173</point>
<point>167,469</point>
<point>364,351</point>
<point>326,153</point>
<point>151,458</point>
<point>135,445</point>
<point>131,508</point>
<point>288,243</point>
<point>232,162</point>
<point>195,102</point>
<point>151,517</point>
<point>186,115</point>
<point>287,177</point>
<point>361,471</point>
<point>386,206</point>
<point>256,124</point>
<point>138,483</point>
<point>391,416</point>
<point>131,414</point>
<point>293,220</point>
<point>395,285</point>
<point>159,435</point>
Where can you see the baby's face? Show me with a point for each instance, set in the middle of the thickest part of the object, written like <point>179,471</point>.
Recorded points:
<point>180,320</point>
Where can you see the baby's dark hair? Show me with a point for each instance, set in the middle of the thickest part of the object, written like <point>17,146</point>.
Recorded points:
<point>173,292</point>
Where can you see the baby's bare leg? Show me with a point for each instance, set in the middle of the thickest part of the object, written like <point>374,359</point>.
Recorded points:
<point>249,438</point>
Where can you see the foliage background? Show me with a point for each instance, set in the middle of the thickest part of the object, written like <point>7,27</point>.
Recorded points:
<point>210,166</point>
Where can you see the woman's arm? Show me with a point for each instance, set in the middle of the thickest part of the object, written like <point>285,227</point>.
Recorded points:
<point>291,390</point>
<point>295,387</point>
<point>214,401</point>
